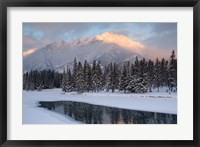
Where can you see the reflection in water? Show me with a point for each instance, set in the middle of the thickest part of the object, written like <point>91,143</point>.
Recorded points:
<point>95,114</point>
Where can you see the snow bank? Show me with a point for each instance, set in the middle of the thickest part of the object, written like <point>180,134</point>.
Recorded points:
<point>153,102</point>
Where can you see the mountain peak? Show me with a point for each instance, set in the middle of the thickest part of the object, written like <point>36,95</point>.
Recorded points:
<point>29,51</point>
<point>62,42</point>
<point>110,36</point>
<point>106,48</point>
<point>120,40</point>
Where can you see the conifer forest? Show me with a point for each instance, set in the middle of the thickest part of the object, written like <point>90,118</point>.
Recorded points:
<point>139,76</point>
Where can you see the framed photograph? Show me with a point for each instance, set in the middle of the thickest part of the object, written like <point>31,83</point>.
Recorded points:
<point>86,73</point>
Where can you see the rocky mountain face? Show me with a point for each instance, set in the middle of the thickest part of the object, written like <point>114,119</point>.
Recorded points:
<point>106,48</point>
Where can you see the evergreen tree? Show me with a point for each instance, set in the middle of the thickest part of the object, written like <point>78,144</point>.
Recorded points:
<point>84,74</point>
<point>163,73</point>
<point>64,82</point>
<point>132,75</point>
<point>114,77</point>
<point>129,73</point>
<point>31,80</point>
<point>79,79</point>
<point>57,80</point>
<point>143,75</point>
<point>172,72</point>
<point>38,80</point>
<point>157,75</point>
<point>136,67</point>
<point>109,79</point>
<point>138,81</point>
<point>99,77</point>
<point>69,81</point>
<point>94,77</point>
<point>112,81</point>
<point>26,81</point>
<point>88,77</point>
<point>74,75</point>
<point>137,77</point>
<point>123,79</point>
<point>150,74</point>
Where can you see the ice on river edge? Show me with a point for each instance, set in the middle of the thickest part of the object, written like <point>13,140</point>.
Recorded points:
<point>154,101</point>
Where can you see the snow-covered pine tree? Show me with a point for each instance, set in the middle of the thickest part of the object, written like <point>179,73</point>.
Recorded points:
<point>137,85</point>
<point>99,77</point>
<point>31,81</point>
<point>64,81</point>
<point>150,74</point>
<point>26,81</point>
<point>35,76</point>
<point>68,81</point>
<point>132,75</point>
<point>143,75</point>
<point>114,77</point>
<point>123,79</point>
<point>136,67</point>
<point>94,77</point>
<point>51,79</point>
<point>88,77</point>
<point>57,80</point>
<point>74,75</point>
<point>104,77</point>
<point>79,79</point>
<point>132,69</point>
<point>138,81</point>
<point>131,86</point>
<point>38,81</point>
<point>46,79</point>
<point>109,77</point>
<point>84,74</point>
<point>128,73</point>
<point>172,72</point>
<point>42,79</point>
<point>157,75</point>
<point>163,72</point>
<point>167,73</point>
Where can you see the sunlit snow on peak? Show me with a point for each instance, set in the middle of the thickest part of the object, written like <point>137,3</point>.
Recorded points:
<point>120,40</point>
<point>28,52</point>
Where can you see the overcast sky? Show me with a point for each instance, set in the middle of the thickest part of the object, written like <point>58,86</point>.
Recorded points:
<point>160,36</point>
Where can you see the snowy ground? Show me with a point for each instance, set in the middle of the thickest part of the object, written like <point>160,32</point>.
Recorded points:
<point>154,102</point>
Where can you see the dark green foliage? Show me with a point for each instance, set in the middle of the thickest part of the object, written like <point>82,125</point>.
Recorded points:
<point>80,84</point>
<point>96,77</point>
<point>157,75</point>
<point>64,82</point>
<point>112,77</point>
<point>136,77</point>
<point>74,74</point>
<point>172,79</point>
<point>123,80</point>
<point>37,80</point>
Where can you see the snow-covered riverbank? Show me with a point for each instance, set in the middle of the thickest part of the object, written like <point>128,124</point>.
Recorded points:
<point>154,102</point>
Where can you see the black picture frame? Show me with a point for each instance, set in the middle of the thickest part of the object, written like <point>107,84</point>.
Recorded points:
<point>4,4</point>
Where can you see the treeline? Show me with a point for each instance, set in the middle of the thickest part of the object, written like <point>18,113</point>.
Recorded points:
<point>38,80</point>
<point>137,77</point>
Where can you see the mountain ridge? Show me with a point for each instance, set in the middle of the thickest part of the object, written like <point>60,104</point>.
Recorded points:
<point>107,47</point>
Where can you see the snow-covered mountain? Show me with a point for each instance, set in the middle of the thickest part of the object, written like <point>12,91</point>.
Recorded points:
<point>106,48</point>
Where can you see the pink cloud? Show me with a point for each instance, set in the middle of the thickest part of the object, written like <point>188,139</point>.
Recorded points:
<point>29,42</point>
